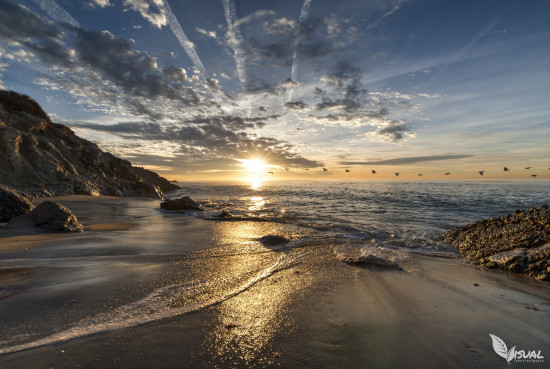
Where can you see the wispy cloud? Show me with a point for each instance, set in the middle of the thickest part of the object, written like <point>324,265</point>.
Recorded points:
<point>408,160</point>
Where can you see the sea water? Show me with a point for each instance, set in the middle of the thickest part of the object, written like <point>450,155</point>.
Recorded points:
<point>411,215</point>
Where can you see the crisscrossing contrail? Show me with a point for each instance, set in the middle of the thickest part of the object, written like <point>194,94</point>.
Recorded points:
<point>235,40</point>
<point>56,12</point>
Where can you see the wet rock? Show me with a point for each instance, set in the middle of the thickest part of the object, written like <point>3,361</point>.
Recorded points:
<point>518,242</point>
<point>54,217</point>
<point>225,214</point>
<point>273,239</point>
<point>13,203</point>
<point>184,203</point>
<point>367,260</point>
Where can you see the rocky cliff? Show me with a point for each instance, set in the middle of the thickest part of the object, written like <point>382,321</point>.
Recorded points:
<point>43,158</point>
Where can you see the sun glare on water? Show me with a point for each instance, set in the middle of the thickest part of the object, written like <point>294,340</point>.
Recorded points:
<point>255,170</point>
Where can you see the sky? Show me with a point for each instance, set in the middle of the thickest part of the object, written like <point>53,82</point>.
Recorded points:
<point>199,90</point>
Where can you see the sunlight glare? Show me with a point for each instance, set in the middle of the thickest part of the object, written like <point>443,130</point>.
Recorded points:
<point>254,165</point>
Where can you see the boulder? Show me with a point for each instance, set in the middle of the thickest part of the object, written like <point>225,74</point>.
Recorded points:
<point>368,260</point>
<point>184,203</point>
<point>54,217</point>
<point>516,242</point>
<point>13,203</point>
<point>273,239</point>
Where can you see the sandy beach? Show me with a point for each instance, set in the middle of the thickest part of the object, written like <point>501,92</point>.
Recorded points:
<point>144,288</point>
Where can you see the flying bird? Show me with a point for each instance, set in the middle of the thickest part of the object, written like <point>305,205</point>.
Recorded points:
<point>269,172</point>
<point>347,170</point>
<point>481,172</point>
<point>534,175</point>
<point>307,168</point>
<point>506,169</point>
<point>447,174</point>
<point>397,174</point>
<point>287,169</point>
<point>373,171</point>
<point>325,169</point>
<point>528,167</point>
<point>420,174</point>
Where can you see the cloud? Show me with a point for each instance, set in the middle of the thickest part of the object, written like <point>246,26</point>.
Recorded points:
<point>205,137</point>
<point>101,71</point>
<point>101,3</point>
<point>395,131</point>
<point>297,105</point>
<point>136,72</point>
<point>257,14</point>
<point>152,10</point>
<point>409,160</point>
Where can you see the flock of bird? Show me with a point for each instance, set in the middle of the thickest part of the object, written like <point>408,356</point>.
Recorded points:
<point>481,172</point>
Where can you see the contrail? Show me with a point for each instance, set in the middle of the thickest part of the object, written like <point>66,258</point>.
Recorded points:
<point>187,45</point>
<point>478,36</point>
<point>303,16</point>
<point>235,40</point>
<point>56,12</point>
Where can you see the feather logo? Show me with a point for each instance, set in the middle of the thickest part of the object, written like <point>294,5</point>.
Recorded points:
<point>500,348</point>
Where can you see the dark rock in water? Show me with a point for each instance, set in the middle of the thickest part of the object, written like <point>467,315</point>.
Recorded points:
<point>518,242</point>
<point>44,158</point>
<point>366,260</point>
<point>273,239</point>
<point>13,203</point>
<point>225,214</point>
<point>54,217</point>
<point>184,203</point>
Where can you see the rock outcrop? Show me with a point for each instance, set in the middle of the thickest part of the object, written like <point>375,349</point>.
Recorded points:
<point>183,203</point>
<point>518,242</point>
<point>54,217</point>
<point>13,203</point>
<point>44,158</point>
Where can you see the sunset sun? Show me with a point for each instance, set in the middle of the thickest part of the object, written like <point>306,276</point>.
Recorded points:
<point>256,166</point>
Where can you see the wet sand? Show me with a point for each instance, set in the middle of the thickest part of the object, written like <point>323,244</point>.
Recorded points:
<point>141,288</point>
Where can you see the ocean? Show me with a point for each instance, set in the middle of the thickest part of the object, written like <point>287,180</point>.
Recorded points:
<point>402,215</point>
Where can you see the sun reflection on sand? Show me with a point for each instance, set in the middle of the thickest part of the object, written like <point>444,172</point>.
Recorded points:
<point>247,324</point>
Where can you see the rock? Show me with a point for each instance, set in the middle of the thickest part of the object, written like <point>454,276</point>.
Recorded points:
<point>54,217</point>
<point>273,239</point>
<point>184,203</point>
<point>518,242</point>
<point>13,203</point>
<point>366,260</point>
<point>225,214</point>
<point>40,157</point>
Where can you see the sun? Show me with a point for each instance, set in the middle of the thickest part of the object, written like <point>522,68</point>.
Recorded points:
<point>255,166</point>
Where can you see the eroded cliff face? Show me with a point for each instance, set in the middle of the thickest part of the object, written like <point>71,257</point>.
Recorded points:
<point>47,159</point>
